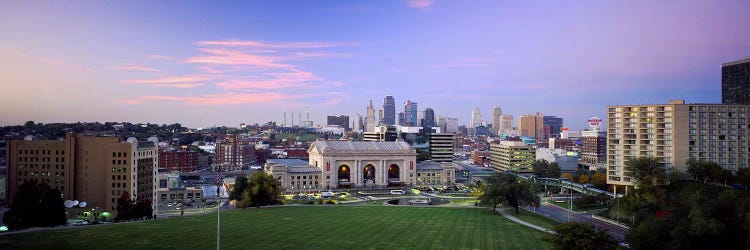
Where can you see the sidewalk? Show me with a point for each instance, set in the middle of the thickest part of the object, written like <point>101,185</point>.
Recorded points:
<point>519,221</point>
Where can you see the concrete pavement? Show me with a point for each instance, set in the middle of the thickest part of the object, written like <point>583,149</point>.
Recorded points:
<point>519,221</point>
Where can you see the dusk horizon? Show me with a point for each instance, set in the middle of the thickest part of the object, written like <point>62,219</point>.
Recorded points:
<point>222,64</point>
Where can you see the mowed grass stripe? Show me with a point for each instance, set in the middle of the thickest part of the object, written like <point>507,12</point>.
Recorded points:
<point>304,227</point>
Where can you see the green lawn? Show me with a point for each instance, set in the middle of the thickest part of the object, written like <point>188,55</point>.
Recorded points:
<point>311,227</point>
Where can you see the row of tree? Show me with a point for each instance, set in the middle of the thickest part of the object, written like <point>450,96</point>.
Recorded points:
<point>668,213</point>
<point>506,188</point>
<point>711,172</point>
<point>127,209</point>
<point>35,205</point>
<point>545,169</point>
<point>260,189</point>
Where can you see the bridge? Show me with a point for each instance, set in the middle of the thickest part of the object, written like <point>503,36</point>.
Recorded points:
<point>587,189</point>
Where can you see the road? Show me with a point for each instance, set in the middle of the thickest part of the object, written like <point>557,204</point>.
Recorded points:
<point>560,214</point>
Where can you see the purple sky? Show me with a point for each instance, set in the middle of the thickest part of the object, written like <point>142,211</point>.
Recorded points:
<point>205,63</point>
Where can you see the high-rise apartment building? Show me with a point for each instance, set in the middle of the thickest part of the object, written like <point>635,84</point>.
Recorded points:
<point>513,156</point>
<point>497,116</point>
<point>341,120</point>
<point>675,132</point>
<point>97,170</point>
<point>370,121</point>
<point>441,147</point>
<point>532,125</point>
<point>410,113</point>
<point>389,110</point>
<point>476,118</point>
<point>429,118</point>
<point>554,124</point>
<point>735,82</point>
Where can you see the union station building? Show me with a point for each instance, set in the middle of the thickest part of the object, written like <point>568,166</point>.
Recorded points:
<point>358,164</point>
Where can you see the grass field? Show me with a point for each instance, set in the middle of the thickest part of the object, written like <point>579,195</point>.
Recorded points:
<point>313,227</point>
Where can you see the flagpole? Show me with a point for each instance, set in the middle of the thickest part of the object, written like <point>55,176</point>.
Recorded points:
<point>218,211</point>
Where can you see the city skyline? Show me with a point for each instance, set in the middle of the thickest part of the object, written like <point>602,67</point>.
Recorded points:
<point>251,62</point>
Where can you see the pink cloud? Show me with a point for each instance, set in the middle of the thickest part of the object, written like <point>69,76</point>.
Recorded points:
<point>231,57</point>
<point>161,57</point>
<point>420,4</point>
<point>182,82</point>
<point>135,67</point>
<point>129,101</point>
<point>170,80</point>
<point>277,81</point>
<point>270,45</point>
<point>47,60</point>
<point>225,98</point>
<point>210,70</point>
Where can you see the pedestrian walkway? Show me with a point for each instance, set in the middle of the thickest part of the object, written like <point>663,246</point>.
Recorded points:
<point>519,221</point>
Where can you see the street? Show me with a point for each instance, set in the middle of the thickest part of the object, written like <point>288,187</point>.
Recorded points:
<point>560,214</point>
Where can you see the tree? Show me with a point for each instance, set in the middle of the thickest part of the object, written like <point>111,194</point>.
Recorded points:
<point>599,180</point>
<point>573,235</point>
<point>545,169</point>
<point>125,207</point>
<point>35,205</point>
<point>143,210</point>
<point>506,188</point>
<point>240,185</point>
<point>743,176</point>
<point>263,190</point>
<point>583,179</point>
<point>704,171</point>
<point>647,171</point>
<point>567,175</point>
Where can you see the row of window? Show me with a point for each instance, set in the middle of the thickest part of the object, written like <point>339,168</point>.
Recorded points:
<point>43,152</point>
<point>36,159</point>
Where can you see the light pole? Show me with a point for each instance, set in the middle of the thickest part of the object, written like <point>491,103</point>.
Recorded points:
<point>571,203</point>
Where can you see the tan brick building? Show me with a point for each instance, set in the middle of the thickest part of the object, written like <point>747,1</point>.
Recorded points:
<point>96,170</point>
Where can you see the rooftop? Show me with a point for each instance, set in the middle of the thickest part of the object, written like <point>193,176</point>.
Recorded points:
<point>288,162</point>
<point>361,145</point>
<point>741,61</point>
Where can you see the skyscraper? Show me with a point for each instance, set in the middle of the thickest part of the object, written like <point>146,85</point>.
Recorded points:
<point>342,120</point>
<point>476,118</point>
<point>410,113</point>
<point>389,110</point>
<point>357,123</point>
<point>448,125</point>
<point>429,118</point>
<point>370,120</point>
<point>497,115</point>
<point>532,125</point>
<point>506,124</point>
<point>735,82</point>
<point>554,123</point>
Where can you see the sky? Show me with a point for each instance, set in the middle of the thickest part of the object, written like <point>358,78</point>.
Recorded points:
<point>207,63</point>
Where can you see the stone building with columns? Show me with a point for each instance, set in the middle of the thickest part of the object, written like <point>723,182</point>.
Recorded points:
<point>364,164</point>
